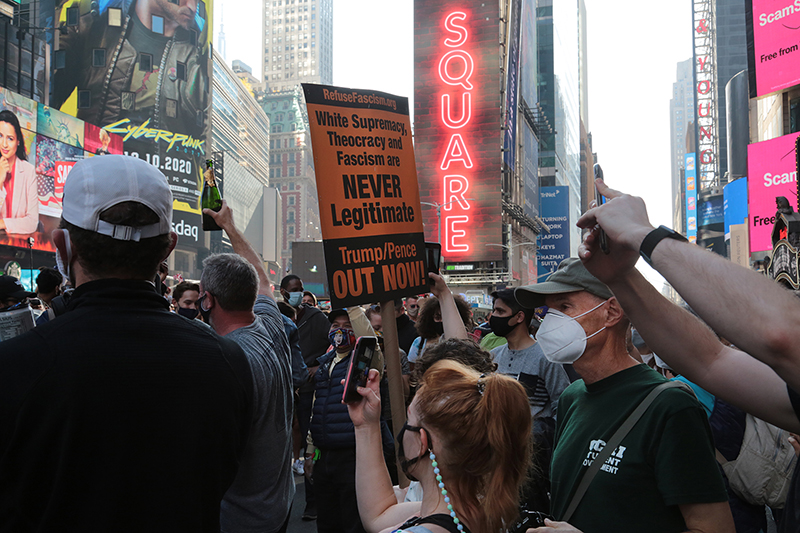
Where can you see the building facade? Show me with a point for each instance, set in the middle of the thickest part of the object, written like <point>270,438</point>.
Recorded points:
<point>298,43</point>
<point>559,98</point>
<point>291,170</point>
<point>240,127</point>
<point>681,121</point>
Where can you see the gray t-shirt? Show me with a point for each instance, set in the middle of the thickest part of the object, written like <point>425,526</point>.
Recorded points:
<point>260,496</point>
<point>544,381</point>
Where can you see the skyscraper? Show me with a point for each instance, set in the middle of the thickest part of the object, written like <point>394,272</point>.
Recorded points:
<point>681,119</point>
<point>298,43</point>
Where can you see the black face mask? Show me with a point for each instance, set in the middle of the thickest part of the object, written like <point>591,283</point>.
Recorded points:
<point>405,463</point>
<point>438,327</point>
<point>188,312</point>
<point>205,313</point>
<point>500,325</point>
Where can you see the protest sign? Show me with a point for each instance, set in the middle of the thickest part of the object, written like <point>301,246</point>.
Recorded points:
<point>368,195</point>
<point>16,322</point>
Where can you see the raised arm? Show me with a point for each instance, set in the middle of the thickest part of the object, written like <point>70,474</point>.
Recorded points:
<point>377,503</point>
<point>451,319</point>
<point>724,295</point>
<point>241,246</point>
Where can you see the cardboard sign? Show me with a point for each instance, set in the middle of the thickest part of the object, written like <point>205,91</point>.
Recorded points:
<point>368,194</point>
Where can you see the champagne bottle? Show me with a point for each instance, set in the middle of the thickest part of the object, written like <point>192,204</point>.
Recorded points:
<point>211,198</point>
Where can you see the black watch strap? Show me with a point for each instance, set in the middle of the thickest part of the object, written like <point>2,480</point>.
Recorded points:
<point>656,236</point>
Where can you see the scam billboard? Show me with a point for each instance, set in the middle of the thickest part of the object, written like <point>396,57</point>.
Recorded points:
<point>457,126</point>
<point>773,32</point>
<point>553,247</point>
<point>36,164</point>
<point>772,172</point>
<point>369,198</point>
<point>147,80</point>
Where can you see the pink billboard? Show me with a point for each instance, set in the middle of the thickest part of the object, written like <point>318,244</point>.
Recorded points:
<point>772,172</point>
<point>773,31</point>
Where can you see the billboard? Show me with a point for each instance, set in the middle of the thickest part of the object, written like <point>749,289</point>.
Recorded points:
<point>773,31</point>
<point>772,172</point>
<point>145,80</point>
<point>553,247</point>
<point>512,83</point>
<point>690,166</point>
<point>458,128</point>
<point>36,165</point>
<point>527,53</point>
<point>735,204</point>
<point>530,171</point>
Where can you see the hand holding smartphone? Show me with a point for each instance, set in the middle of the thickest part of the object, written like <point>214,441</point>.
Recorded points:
<point>600,199</point>
<point>358,370</point>
<point>433,254</point>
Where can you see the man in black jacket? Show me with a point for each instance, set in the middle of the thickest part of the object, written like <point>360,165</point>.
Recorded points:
<point>119,415</point>
<point>406,330</point>
<point>312,327</point>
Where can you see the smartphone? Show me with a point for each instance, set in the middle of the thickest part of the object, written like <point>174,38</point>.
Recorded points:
<point>357,371</point>
<point>598,173</point>
<point>529,519</point>
<point>433,254</point>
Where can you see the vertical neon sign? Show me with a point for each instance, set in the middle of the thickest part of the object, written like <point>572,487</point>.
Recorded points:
<point>456,67</point>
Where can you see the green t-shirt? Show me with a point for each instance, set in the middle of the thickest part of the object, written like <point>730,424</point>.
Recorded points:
<point>666,460</point>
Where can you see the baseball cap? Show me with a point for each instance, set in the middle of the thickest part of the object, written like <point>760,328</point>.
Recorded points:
<point>333,315</point>
<point>101,182</point>
<point>10,287</point>
<point>571,276</point>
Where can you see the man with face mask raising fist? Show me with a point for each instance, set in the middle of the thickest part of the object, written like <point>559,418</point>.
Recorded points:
<point>665,463</point>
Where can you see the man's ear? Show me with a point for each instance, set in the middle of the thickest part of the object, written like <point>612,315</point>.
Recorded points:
<point>60,241</point>
<point>615,313</point>
<point>209,302</point>
<point>173,238</point>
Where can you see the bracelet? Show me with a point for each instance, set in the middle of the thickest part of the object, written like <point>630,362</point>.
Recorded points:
<point>656,236</point>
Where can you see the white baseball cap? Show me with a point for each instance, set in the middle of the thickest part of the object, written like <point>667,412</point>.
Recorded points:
<point>98,183</point>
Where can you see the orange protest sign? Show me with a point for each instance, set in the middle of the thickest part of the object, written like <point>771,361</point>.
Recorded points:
<point>368,194</point>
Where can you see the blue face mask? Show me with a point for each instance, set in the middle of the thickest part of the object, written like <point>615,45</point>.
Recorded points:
<point>295,298</point>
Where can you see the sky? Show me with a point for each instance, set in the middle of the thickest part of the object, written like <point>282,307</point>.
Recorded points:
<point>633,51</point>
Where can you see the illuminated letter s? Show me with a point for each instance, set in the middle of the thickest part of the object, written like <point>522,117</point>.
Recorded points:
<point>460,31</point>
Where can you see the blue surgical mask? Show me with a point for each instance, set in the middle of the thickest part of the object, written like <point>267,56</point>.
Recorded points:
<point>295,298</point>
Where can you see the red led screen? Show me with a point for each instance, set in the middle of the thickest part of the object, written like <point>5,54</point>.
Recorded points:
<point>457,125</point>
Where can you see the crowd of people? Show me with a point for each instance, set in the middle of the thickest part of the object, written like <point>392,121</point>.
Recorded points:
<point>588,402</point>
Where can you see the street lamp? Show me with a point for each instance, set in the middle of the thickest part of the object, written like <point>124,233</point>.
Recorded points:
<point>508,248</point>
<point>439,207</point>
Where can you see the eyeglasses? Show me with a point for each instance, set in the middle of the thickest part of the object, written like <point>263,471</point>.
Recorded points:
<point>413,306</point>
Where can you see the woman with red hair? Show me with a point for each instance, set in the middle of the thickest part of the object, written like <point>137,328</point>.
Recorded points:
<point>467,441</point>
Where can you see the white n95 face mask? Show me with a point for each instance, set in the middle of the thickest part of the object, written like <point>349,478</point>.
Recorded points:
<point>562,338</point>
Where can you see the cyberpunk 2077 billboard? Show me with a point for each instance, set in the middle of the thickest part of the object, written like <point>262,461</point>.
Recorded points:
<point>38,147</point>
<point>140,69</point>
<point>458,135</point>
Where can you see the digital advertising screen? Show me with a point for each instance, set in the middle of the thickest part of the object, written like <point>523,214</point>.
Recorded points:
<point>773,33</point>
<point>38,149</point>
<point>144,75</point>
<point>690,167</point>
<point>553,247</point>
<point>771,172</point>
<point>458,126</point>
<point>735,204</point>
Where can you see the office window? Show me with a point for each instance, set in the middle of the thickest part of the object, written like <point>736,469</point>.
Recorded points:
<point>114,17</point>
<point>146,62</point>
<point>291,186</point>
<point>157,24</point>
<point>291,198</point>
<point>291,230</point>
<point>84,99</point>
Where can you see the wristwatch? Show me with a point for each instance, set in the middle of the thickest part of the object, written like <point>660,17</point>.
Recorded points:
<point>656,236</point>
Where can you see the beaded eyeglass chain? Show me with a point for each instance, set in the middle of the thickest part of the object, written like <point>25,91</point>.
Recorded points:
<point>436,471</point>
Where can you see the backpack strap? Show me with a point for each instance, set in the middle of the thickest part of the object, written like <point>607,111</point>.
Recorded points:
<point>614,442</point>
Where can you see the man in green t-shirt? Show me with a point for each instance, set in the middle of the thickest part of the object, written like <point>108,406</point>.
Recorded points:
<point>663,477</point>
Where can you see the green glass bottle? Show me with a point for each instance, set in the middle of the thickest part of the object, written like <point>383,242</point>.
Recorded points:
<point>211,198</point>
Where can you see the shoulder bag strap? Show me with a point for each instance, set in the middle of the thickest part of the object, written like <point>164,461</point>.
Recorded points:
<point>614,442</point>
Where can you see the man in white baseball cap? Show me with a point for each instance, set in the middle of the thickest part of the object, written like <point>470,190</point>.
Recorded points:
<point>119,415</point>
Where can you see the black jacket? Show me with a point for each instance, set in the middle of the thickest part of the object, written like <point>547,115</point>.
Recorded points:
<point>406,332</point>
<point>120,416</point>
<point>313,327</point>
